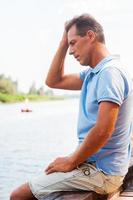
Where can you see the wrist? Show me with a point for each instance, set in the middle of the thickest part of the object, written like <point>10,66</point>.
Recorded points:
<point>73,161</point>
<point>64,44</point>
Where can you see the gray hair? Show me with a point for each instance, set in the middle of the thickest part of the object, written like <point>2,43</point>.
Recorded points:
<point>84,23</point>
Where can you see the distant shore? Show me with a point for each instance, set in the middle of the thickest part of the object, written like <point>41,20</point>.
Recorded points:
<point>7,98</point>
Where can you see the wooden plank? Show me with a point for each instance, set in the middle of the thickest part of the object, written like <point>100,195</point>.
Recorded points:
<point>128,180</point>
<point>124,198</point>
<point>78,195</point>
<point>81,195</point>
<point>127,194</point>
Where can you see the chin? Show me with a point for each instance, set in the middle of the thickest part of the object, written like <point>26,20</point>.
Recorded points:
<point>83,63</point>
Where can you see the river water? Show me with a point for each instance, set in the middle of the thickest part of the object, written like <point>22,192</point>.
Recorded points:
<point>29,141</point>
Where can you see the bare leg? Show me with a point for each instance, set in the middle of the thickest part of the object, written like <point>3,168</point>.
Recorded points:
<point>22,193</point>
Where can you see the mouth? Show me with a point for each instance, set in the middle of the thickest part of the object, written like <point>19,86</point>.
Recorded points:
<point>77,58</point>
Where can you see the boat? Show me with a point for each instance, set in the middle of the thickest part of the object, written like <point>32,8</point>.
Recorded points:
<point>26,110</point>
<point>26,106</point>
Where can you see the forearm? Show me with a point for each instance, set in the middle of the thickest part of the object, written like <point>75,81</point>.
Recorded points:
<point>93,142</point>
<point>56,70</point>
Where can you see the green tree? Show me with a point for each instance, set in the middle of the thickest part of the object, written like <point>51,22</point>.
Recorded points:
<point>33,89</point>
<point>40,91</point>
<point>7,86</point>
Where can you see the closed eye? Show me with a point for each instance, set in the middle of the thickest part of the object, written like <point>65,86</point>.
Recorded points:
<point>71,43</point>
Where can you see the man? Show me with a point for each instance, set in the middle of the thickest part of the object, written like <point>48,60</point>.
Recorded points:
<point>104,127</point>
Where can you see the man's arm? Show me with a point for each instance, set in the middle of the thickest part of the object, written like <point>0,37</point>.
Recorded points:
<point>99,134</point>
<point>56,77</point>
<point>97,137</point>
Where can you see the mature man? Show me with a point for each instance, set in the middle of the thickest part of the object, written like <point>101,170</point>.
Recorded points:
<point>104,127</point>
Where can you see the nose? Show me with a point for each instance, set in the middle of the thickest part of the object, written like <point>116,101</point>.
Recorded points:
<point>71,51</point>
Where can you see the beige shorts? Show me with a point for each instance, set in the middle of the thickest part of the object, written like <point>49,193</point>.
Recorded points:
<point>86,177</point>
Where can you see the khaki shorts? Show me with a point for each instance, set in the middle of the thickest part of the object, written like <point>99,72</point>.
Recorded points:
<point>86,177</point>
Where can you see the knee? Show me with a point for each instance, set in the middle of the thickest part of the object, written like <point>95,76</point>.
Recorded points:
<point>22,193</point>
<point>15,195</point>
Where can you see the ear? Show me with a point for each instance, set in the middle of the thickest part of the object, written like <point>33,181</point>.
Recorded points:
<point>91,35</point>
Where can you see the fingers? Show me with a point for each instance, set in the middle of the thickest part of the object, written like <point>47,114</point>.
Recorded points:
<point>50,169</point>
<point>66,23</point>
<point>60,164</point>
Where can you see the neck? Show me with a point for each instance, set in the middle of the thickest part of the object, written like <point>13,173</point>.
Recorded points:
<point>100,52</point>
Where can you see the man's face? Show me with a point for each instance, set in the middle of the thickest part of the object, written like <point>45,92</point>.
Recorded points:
<point>79,46</point>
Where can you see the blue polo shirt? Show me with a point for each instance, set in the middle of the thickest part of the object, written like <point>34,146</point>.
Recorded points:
<point>107,81</point>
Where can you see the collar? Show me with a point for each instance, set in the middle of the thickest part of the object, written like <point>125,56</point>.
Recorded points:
<point>102,64</point>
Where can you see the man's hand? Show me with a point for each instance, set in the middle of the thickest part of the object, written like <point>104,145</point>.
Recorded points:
<point>64,40</point>
<point>61,164</point>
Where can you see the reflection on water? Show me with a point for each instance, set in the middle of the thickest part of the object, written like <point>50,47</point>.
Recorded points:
<point>29,141</point>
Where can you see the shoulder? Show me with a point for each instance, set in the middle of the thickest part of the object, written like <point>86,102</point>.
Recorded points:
<point>116,75</point>
<point>111,85</point>
<point>110,70</point>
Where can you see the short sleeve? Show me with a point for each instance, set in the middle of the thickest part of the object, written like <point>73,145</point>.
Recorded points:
<point>110,86</point>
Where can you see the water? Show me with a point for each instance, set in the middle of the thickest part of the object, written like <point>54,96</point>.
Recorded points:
<point>29,141</point>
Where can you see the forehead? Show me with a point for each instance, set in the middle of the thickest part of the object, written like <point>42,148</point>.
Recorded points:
<point>72,33</point>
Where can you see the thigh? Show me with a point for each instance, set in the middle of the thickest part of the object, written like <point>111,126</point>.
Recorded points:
<point>86,177</point>
<point>93,179</point>
<point>44,184</point>
<point>51,182</point>
<point>89,178</point>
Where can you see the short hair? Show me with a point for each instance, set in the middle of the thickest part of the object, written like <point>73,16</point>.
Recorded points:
<point>84,23</point>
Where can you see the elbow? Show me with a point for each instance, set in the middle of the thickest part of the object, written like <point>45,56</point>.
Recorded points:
<point>49,83</point>
<point>105,132</point>
<point>53,83</point>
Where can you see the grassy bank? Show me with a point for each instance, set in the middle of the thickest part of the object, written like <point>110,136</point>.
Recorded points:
<point>7,98</point>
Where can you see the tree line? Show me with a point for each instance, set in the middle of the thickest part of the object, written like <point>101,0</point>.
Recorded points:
<point>8,86</point>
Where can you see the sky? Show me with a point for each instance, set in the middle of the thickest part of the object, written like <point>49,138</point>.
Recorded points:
<point>30,31</point>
